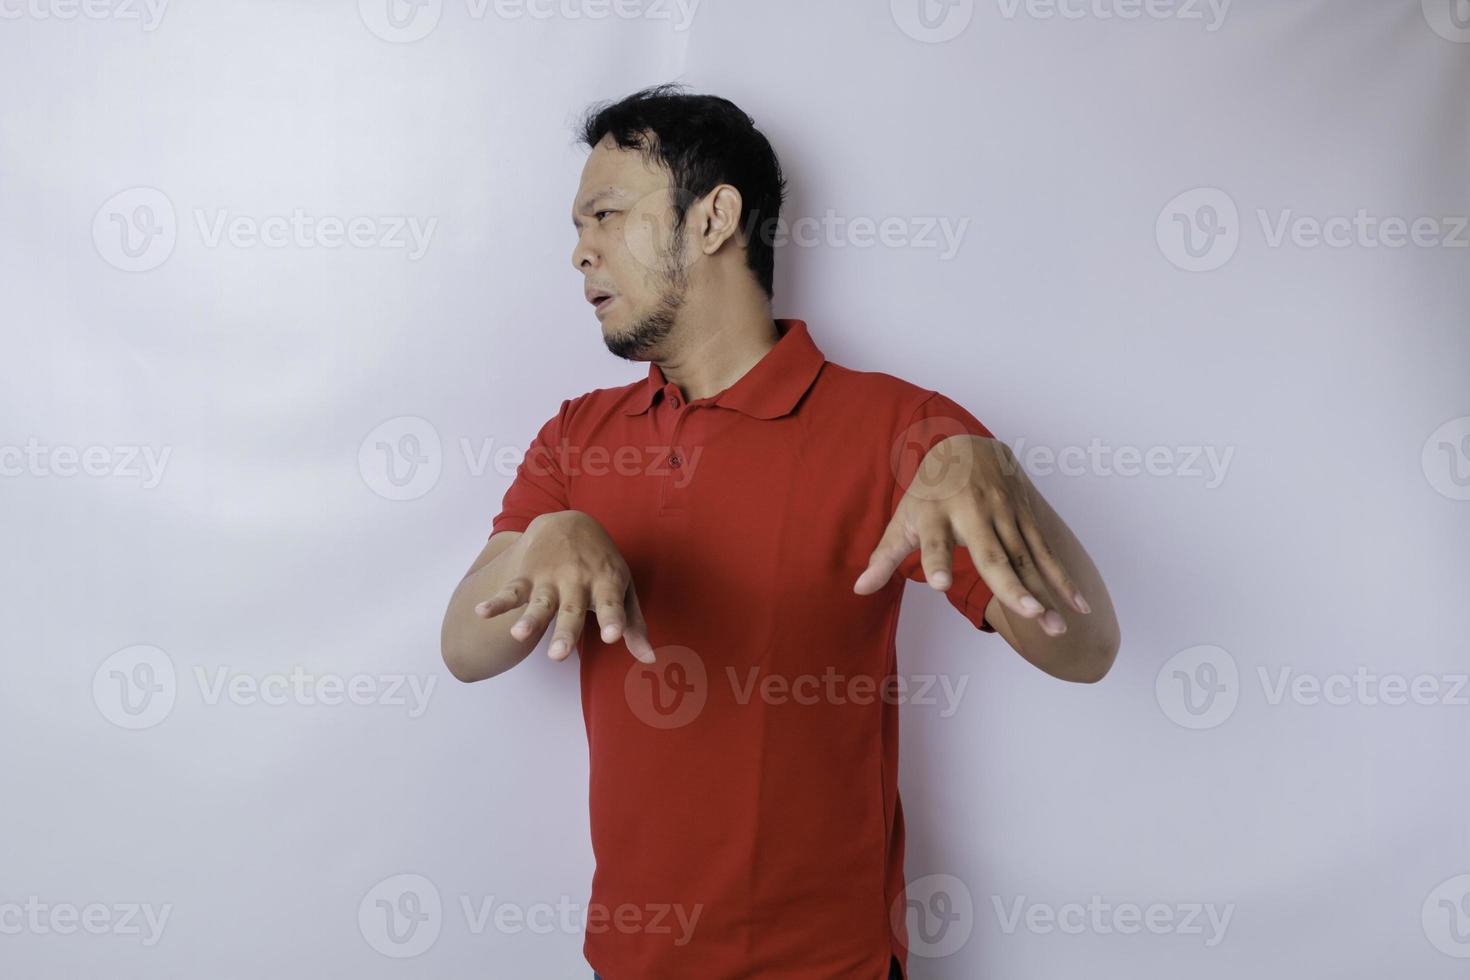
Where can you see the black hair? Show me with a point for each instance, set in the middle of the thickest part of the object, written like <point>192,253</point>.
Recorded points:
<point>703,141</point>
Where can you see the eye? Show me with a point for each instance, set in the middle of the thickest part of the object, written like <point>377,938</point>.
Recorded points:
<point>598,214</point>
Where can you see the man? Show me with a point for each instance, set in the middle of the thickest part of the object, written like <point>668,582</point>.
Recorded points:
<point>734,523</point>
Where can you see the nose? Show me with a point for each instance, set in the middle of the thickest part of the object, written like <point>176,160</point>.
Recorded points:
<point>583,255</point>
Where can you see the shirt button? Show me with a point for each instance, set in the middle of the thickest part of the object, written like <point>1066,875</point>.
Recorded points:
<point>675,461</point>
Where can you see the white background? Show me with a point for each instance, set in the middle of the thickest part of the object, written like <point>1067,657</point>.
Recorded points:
<point>273,537</point>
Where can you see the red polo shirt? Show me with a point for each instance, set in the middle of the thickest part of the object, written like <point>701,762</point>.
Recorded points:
<point>744,789</point>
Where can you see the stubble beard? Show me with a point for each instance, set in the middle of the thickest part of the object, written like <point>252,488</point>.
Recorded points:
<point>644,340</point>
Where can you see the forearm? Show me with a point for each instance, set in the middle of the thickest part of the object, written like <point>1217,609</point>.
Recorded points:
<point>1086,651</point>
<point>475,648</point>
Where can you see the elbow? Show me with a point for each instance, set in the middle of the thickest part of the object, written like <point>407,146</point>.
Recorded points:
<point>458,667</point>
<point>1090,674</point>
<point>461,672</point>
<point>468,665</point>
<point>1093,663</point>
<point>461,666</point>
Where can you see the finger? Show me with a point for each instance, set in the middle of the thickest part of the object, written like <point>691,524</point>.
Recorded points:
<point>511,595</point>
<point>538,613</point>
<point>607,603</point>
<point>635,634</point>
<point>1051,621</point>
<point>893,548</point>
<point>1051,566</point>
<point>936,549</point>
<point>571,615</point>
<point>994,565</point>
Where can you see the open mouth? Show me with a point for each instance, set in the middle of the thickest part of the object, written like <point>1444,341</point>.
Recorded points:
<point>601,301</point>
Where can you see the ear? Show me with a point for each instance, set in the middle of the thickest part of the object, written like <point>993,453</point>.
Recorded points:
<point>719,215</point>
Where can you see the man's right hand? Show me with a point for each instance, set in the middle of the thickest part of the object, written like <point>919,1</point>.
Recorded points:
<point>565,564</point>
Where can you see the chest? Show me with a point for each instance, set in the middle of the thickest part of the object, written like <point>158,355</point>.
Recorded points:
<point>741,520</point>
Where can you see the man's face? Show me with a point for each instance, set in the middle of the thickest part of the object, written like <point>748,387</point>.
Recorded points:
<point>627,250</point>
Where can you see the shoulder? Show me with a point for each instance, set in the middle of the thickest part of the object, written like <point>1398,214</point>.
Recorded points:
<point>591,407</point>
<point>878,401</point>
<point>876,391</point>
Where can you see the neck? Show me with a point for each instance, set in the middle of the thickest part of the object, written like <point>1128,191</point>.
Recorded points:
<point>717,343</point>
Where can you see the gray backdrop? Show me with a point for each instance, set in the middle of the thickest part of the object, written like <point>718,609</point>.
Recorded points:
<point>287,289</point>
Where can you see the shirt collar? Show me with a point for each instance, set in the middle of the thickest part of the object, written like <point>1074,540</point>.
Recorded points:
<point>768,390</point>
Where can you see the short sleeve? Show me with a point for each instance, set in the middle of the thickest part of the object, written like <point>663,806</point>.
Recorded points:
<point>932,421</point>
<point>540,484</point>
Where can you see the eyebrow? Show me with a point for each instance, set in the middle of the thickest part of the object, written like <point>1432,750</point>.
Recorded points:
<point>591,200</point>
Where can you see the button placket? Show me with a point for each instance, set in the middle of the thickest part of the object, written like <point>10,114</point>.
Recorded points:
<point>669,498</point>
